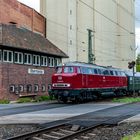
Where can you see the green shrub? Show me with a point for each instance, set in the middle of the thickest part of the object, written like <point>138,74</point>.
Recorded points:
<point>138,68</point>
<point>24,100</point>
<point>127,100</point>
<point>42,98</point>
<point>132,137</point>
<point>4,101</point>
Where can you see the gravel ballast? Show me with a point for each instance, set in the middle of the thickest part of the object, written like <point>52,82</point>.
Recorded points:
<point>112,132</point>
<point>100,133</point>
<point>7,131</point>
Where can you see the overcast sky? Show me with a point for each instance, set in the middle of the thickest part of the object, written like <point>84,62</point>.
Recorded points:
<point>32,3</point>
<point>137,5</point>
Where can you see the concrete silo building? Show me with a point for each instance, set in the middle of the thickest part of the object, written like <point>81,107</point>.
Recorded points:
<point>111,41</point>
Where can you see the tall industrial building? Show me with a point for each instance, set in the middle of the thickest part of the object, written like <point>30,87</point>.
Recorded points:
<point>100,31</point>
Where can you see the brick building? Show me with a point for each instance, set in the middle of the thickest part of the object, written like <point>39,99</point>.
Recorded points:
<point>14,12</point>
<point>27,58</point>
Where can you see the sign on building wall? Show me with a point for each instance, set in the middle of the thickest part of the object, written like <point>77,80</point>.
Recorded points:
<point>35,71</point>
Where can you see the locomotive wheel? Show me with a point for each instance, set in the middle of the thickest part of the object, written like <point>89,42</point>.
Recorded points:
<point>64,100</point>
<point>61,99</point>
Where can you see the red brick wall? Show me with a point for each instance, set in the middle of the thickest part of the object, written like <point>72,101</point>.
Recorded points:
<point>14,11</point>
<point>14,74</point>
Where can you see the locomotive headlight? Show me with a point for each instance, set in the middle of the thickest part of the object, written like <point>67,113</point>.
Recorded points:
<point>59,85</point>
<point>53,85</point>
<point>68,85</point>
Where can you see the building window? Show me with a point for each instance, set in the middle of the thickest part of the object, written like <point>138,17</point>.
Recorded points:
<point>44,61</point>
<point>27,59</point>
<point>70,27</point>
<point>57,61</point>
<point>70,42</point>
<point>51,62</point>
<point>7,56</point>
<point>18,57</point>
<point>70,12</point>
<point>12,88</point>
<point>36,60</point>
<point>36,88</point>
<point>29,88</point>
<point>20,88</point>
<point>0,55</point>
<point>43,88</point>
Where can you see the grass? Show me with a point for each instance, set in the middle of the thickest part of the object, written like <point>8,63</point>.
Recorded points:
<point>127,100</point>
<point>24,100</point>
<point>43,98</point>
<point>135,136</point>
<point>4,101</point>
<point>37,99</point>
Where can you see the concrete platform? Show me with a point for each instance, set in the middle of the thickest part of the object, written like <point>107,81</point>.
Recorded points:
<point>132,119</point>
<point>14,105</point>
<point>54,114</point>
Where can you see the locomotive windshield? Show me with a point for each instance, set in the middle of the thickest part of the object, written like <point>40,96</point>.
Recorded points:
<point>64,70</point>
<point>59,70</point>
<point>68,69</point>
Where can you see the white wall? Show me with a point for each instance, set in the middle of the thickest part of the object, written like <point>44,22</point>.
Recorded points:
<point>112,21</point>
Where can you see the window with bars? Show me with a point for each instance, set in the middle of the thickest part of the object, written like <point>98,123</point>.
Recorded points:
<point>18,57</point>
<point>51,62</point>
<point>36,60</point>
<point>7,56</point>
<point>27,59</point>
<point>44,61</point>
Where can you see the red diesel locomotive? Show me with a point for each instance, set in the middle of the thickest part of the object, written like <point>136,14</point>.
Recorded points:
<point>75,81</point>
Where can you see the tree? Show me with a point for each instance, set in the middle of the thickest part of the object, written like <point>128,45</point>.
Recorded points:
<point>138,63</point>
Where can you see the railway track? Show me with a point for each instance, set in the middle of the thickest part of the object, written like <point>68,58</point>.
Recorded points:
<point>70,129</point>
<point>60,132</point>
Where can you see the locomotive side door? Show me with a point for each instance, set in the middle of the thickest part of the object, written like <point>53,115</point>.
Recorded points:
<point>84,78</point>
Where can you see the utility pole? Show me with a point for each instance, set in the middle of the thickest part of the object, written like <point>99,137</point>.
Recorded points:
<point>133,81</point>
<point>91,57</point>
<point>131,65</point>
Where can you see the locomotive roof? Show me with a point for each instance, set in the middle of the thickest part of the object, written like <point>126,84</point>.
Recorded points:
<point>82,64</point>
<point>130,73</point>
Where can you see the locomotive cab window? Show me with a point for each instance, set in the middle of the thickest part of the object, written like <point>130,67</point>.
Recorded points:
<point>59,70</point>
<point>90,71</point>
<point>106,72</point>
<point>111,72</point>
<point>78,70</point>
<point>95,71</point>
<point>99,71</point>
<point>116,73</point>
<point>68,69</point>
<point>12,88</point>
